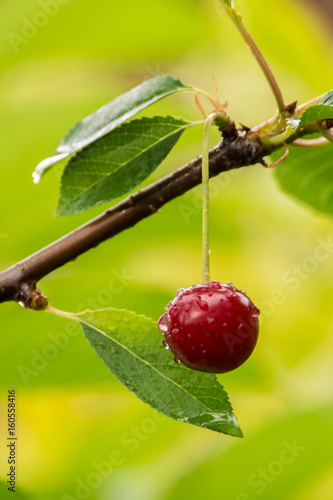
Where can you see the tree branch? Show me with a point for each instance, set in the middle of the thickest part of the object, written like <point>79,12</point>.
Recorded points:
<point>18,283</point>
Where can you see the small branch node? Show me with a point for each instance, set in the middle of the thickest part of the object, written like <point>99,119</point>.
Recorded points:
<point>31,297</point>
<point>290,108</point>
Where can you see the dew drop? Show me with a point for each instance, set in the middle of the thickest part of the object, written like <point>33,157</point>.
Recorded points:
<point>166,345</point>
<point>187,308</point>
<point>177,360</point>
<point>204,351</point>
<point>210,320</point>
<point>255,312</point>
<point>202,304</point>
<point>173,311</point>
<point>231,285</point>
<point>162,323</point>
<point>175,331</point>
<point>215,284</point>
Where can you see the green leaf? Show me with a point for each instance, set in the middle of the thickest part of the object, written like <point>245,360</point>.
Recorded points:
<point>307,174</point>
<point>316,112</point>
<point>131,347</point>
<point>111,116</point>
<point>118,162</point>
<point>327,99</point>
<point>322,110</point>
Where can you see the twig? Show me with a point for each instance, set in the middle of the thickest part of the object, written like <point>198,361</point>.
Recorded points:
<point>18,283</point>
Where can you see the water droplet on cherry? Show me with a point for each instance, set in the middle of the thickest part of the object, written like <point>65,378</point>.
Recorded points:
<point>162,323</point>
<point>166,345</point>
<point>202,340</point>
<point>255,312</point>
<point>215,285</point>
<point>173,312</point>
<point>202,303</point>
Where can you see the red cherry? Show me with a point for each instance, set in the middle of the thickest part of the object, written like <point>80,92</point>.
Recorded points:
<point>210,328</point>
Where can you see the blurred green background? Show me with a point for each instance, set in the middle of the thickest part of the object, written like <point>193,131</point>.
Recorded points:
<point>82,434</point>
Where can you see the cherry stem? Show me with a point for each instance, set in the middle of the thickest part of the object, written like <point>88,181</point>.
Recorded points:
<point>238,22</point>
<point>205,268</point>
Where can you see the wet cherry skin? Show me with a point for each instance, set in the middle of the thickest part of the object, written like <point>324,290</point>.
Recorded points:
<point>211,327</point>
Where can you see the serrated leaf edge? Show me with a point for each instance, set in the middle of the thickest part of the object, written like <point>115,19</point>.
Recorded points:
<point>43,166</point>
<point>187,124</point>
<point>233,416</point>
